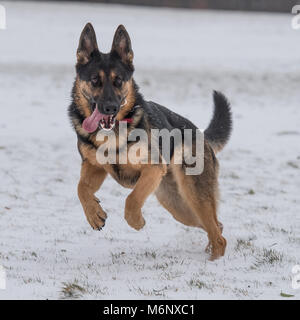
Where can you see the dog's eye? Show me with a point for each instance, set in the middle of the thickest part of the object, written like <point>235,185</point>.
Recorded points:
<point>96,81</point>
<point>118,82</point>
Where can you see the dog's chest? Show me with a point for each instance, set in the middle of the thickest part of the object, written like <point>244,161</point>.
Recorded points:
<point>126,175</point>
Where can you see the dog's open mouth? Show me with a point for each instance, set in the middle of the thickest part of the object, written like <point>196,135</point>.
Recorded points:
<point>97,119</point>
<point>107,122</point>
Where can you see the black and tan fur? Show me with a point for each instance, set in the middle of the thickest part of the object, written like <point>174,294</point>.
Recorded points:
<point>105,81</point>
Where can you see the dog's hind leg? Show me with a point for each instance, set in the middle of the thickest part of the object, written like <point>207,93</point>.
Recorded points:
<point>171,200</point>
<point>147,183</point>
<point>168,196</point>
<point>200,194</point>
<point>208,248</point>
<point>91,180</point>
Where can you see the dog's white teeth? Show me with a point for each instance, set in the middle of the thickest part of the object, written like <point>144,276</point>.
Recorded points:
<point>109,124</point>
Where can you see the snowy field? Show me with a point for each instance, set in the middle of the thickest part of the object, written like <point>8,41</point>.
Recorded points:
<point>46,245</point>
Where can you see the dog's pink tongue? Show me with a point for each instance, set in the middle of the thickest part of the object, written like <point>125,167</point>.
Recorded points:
<point>90,124</point>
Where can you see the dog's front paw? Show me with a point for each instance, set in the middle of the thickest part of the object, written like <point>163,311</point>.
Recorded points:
<point>95,215</point>
<point>135,221</point>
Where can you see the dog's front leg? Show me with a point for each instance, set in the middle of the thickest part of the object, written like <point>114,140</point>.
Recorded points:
<point>148,182</point>
<point>91,180</point>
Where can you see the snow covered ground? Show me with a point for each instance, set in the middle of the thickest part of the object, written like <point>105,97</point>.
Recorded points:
<point>46,245</point>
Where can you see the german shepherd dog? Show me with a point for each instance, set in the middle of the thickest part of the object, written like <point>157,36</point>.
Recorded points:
<point>105,93</point>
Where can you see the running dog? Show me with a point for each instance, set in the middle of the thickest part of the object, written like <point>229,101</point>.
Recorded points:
<point>103,95</point>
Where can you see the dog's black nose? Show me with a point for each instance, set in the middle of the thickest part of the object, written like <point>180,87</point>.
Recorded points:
<point>110,109</point>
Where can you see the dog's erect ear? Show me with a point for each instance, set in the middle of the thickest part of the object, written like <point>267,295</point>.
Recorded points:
<point>122,45</point>
<point>87,44</point>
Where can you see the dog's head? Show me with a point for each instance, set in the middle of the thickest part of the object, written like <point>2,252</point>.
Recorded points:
<point>104,84</point>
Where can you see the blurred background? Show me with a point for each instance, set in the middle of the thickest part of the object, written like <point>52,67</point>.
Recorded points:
<point>249,5</point>
<point>183,50</point>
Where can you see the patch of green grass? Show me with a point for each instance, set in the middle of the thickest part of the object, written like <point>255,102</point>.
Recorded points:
<point>242,244</point>
<point>150,254</point>
<point>277,230</point>
<point>161,266</point>
<point>116,257</point>
<point>72,290</point>
<point>241,292</point>
<point>32,280</point>
<point>153,292</point>
<point>196,283</point>
<point>286,295</point>
<point>171,275</point>
<point>294,240</point>
<point>293,164</point>
<point>269,256</point>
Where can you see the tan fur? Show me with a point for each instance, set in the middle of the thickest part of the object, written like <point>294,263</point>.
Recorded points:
<point>217,147</point>
<point>91,180</point>
<point>169,197</point>
<point>80,99</point>
<point>82,88</point>
<point>149,180</point>
<point>102,76</point>
<point>201,196</point>
<point>128,93</point>
<point>192,200</point>
<point>112,75</point>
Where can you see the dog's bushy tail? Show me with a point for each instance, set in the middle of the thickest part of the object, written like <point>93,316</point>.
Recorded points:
<point>220,127</point>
